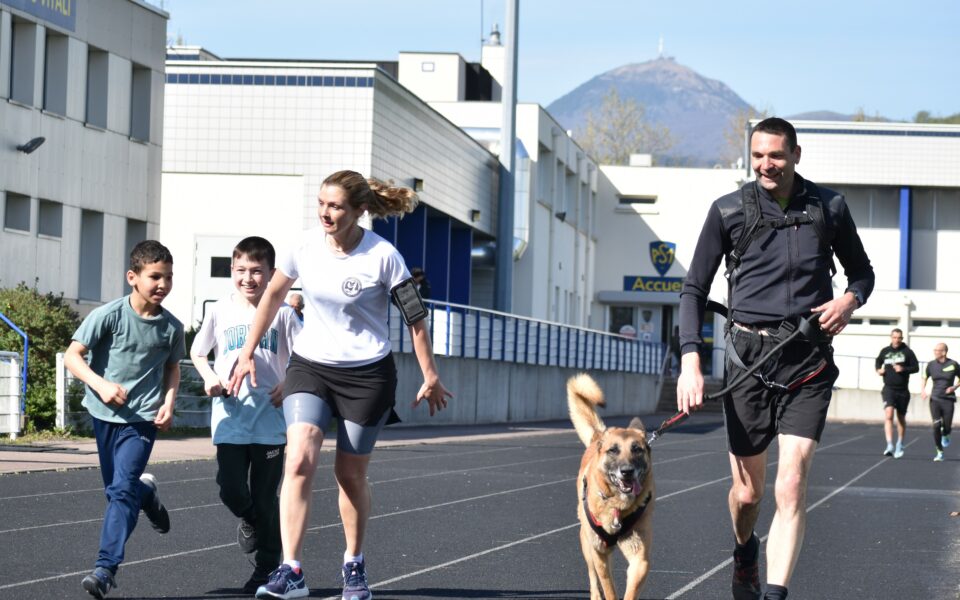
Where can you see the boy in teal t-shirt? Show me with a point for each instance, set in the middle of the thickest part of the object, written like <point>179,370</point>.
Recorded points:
<point>135,347</point>
<point>248,429</point>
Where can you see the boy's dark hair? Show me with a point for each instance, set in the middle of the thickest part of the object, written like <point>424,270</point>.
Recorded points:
<point>777,126</point>
<point>149,251</point>
<point>256,248</point>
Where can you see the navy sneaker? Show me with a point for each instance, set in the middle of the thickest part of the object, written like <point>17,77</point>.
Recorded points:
<point>246,536</point>
<point>746,571</point>
<point>99,583</point>
<point>156,512</point>
<point>284,583</point>
<point>355,582</point>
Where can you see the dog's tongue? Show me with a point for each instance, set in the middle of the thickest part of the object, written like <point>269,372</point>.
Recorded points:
<point>636,487</point>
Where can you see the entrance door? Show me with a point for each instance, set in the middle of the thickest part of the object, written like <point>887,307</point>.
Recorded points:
<point>211,271</point>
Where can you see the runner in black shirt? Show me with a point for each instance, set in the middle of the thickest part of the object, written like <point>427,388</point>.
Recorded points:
<point>944,372</point>
<point>895,364</point>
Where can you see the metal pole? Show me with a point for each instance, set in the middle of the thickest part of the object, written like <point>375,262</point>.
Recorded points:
<point>503,289</point>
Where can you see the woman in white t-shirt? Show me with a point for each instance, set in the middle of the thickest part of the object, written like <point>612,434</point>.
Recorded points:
<point>342,367</point>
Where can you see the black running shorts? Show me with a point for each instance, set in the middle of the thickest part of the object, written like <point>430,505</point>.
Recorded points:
<point>897,398</point>
<point>800,378</point>
<point>358,394</point>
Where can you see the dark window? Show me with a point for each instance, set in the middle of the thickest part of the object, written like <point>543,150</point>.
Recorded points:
<point>16,213</point>
<point>220,266</point>
<point>51,219</point>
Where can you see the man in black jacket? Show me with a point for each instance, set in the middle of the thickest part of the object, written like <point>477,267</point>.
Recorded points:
<point>895,364</point>
<point>782,276</point>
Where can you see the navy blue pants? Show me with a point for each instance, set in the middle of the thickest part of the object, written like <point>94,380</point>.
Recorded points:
<point>124,450</point>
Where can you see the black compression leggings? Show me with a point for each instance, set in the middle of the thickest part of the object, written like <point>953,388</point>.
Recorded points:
<point>941,411</point>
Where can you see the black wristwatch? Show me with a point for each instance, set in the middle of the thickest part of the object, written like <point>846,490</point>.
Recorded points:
<point>857,296</point>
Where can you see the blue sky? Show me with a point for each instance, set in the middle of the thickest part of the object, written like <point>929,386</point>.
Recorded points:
<point>888,58</point>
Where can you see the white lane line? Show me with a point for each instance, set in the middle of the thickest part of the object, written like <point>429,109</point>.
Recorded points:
<point>729,561</point>
<point>191,480</point>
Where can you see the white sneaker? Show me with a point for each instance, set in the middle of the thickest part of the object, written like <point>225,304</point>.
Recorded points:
<point>889,450</point>
<point>898,453</point>
<point>939,456</point>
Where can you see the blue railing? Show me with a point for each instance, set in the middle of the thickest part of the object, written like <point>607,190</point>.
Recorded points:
<point>469,332</point>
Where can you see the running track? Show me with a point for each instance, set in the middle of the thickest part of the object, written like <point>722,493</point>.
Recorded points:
<point>494,517</point>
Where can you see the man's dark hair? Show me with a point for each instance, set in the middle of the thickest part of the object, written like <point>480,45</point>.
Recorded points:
<point>777,126</point>
<point>257,249</point>
<point>896,330</point>
<point>147,252</point>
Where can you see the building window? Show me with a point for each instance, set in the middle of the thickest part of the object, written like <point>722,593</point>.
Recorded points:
<point>220,266</point>
<point>936,209</point>
<point>51,219</point>
<point>16,212</point>
<point>875,207</point>
<point>90,268</point>
<point>98,63</point>
<point>23,63</point>
<point>55,73</point>
<point>635,200</point>
<point>140,103</point>
<point>620,316</point>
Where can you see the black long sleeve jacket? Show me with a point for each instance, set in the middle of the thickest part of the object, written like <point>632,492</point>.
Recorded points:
<point>784,273</point>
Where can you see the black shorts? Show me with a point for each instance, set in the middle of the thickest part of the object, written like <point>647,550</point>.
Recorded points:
<point>801,380</point>
<point>358,394</point>
<point>897,398</point>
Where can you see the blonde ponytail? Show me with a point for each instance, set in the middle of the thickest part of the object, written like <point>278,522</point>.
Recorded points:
<point>382,199</point>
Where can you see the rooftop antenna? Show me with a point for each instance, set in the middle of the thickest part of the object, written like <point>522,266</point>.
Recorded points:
<point>660,48</point>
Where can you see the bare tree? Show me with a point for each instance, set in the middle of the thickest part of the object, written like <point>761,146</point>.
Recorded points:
<point>617,129</point>
<point>735,135</point>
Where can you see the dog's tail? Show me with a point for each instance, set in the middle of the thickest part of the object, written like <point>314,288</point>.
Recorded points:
<point>583,395</point>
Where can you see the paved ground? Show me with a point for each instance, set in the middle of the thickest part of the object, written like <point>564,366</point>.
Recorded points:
<point>490,513</point>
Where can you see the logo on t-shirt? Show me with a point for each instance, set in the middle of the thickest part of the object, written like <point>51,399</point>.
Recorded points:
<point>351,286</point>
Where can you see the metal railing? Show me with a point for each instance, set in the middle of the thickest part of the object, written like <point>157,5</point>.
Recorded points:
<point>469,332</point>
<point>11,389</point>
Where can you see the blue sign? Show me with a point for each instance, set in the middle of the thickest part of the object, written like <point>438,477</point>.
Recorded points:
<point>662,255</point>
<point>62,13</point>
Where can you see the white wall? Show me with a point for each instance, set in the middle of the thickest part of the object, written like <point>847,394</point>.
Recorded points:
<point>433,77</point>
<point>205,204</point>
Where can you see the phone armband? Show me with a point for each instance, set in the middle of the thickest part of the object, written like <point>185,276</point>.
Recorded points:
<point>407,298</point>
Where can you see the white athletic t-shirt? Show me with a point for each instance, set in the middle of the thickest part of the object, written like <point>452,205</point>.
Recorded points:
<point>249,417</point>
<point>345,298</point>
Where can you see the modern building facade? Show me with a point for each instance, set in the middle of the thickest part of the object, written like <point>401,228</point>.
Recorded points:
<point>81,115</point>
<point>248,143</point>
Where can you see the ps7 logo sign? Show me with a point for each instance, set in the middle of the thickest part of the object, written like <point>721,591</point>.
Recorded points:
<point>662,255</point>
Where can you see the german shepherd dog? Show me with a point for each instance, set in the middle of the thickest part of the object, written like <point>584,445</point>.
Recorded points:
<point>615,492</point>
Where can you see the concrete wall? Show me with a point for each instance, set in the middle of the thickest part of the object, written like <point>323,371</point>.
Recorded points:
<point>496,392</point>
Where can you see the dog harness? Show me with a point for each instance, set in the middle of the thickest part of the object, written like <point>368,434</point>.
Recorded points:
<point>611,539</point>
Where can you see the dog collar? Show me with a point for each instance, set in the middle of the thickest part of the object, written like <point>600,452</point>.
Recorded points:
<point>610,539</point>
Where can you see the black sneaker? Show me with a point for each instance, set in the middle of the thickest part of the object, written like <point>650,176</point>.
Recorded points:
<point>260,576</point>
<point>746,571</point>
<point>284,583</point>
<point>246,536</point>
<point>156,512</point>
<point>99,583</point>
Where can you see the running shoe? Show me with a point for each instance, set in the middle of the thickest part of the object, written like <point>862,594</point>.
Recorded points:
<point>260,576</point>
<point>945,441</point>
<point>889,450</point>
<point>355,582</point>
<point>939,456</point>
<point>746,571</point>
<point>99,583</point>
<point>898,453</point>
<point>284,583</point>
<point>156,512</point>
<point>246,536</point>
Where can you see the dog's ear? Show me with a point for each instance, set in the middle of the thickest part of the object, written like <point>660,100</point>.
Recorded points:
<point>636,423</point>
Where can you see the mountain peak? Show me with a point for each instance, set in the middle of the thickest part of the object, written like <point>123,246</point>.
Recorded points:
<point>697,110</point>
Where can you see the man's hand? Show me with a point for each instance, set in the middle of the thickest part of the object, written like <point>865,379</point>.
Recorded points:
<point>835,314</point>
<point>898,368</point>
<point>112,393</point>
<point>690,383</point>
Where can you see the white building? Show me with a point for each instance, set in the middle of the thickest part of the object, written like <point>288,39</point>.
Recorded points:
<point>556,187</point>
<point>248,143</point>
<point>87,77</point>
<point>902,184</point>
